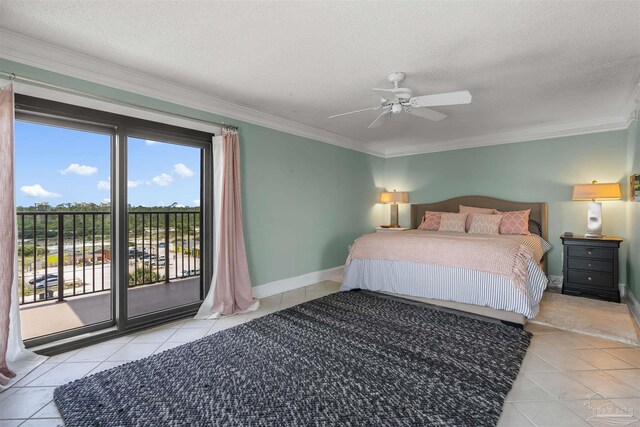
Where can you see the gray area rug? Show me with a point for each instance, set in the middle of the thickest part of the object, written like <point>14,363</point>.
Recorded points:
<point>345,359</point>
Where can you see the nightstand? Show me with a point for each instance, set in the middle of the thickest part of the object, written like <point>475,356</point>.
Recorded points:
<point>391,230</point>
<point>591,267</point>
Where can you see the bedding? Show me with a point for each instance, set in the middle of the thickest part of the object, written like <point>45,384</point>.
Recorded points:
<point>485,224</point>
<point>502,257</point>
<point>430,221</point>
<point>515,222</point>
<point>471,211</point>
<point>473,277</point>
<point>453,222</point>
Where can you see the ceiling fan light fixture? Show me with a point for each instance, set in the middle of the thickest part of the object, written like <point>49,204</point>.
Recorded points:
<point>399,99</point>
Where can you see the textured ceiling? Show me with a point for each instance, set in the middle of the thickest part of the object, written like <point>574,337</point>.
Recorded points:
<point>527,64</point>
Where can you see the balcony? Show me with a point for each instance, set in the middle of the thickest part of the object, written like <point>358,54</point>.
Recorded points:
<point>65,259</point>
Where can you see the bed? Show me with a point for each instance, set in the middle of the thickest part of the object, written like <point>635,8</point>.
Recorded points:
<point>454,287</point>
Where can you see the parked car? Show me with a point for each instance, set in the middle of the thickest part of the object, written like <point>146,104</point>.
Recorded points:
<point>51,280</point>
<point>158,261</point>
<point>187,273</point>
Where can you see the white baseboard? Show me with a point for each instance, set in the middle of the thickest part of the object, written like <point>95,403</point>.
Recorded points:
<point>634,306</point>
<point>284,285</point>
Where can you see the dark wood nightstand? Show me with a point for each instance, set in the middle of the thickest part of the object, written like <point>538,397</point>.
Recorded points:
<point>591,267</point>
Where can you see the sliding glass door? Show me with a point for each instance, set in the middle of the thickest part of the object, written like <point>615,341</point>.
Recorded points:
<point>64,226</point>
<point>164,240</point>
<point>113,220</point>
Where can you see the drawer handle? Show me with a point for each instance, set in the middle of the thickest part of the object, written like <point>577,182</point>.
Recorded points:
<point>589,251</point>
<point>589,264</point>
<point>589,278</point>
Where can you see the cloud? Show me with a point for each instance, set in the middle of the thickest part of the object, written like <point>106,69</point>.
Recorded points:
<point>134,184</point>
<point>182,170</point>
<point>150,142</point>
<point>79,169</point>
<point>104,185</point>
<point>196,202</point>
<point>162,180</point>
<point>36,190</point>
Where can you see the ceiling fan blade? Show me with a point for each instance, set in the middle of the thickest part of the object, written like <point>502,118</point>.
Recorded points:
<point>426,113</point>
<point>449,98</point>
<point>357,111</point>
<point>380,119</point>
<point>385,93</point>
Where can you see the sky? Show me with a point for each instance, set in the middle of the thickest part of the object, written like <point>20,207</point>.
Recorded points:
<point>59,165</point>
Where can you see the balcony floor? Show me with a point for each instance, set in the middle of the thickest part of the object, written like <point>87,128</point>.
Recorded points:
<point>39,319</point>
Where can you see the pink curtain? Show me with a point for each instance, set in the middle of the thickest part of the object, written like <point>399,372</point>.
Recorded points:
<point>232,284</point>
<point>7,225</point>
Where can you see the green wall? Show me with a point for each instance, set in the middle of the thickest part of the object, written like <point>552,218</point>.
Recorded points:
<point>538,171</point>
<point>633,214</point>
<point>303,201</point>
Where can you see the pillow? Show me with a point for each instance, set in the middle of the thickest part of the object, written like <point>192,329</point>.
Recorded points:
<point>452,222</point>
<point>515,222</point>
<point>430,221</point>
<point>471,211</point>
<point>485,224</point>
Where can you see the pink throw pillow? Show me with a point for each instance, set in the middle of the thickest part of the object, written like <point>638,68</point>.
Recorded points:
<point>430,221</point>
<point>515,222</point>
<point>470,210</point>
<point>453,222</point>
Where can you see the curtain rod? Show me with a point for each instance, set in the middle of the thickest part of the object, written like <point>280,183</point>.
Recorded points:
<point>14,77</point>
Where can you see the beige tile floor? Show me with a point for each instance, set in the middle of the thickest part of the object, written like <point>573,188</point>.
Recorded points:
<point>558,373</point>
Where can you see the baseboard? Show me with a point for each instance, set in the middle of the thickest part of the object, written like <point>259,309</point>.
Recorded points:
<point>284,285</point>
<point>634,307</point>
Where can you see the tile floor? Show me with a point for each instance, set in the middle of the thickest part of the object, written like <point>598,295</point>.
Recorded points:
<point>558,373</point>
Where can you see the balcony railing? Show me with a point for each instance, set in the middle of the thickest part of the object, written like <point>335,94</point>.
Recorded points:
<point>66,254</point>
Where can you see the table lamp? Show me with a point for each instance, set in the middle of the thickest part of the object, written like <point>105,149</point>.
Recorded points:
<point>594,192</point>
<point>394,198</point>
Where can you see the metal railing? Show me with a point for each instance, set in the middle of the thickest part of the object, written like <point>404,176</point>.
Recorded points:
<point>160,239</point>
<point>66,254</point>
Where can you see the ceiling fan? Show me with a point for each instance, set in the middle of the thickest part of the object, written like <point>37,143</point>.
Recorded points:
<point>401,99</point>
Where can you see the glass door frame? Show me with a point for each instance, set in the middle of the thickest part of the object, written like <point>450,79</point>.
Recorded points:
<point>42,111</point>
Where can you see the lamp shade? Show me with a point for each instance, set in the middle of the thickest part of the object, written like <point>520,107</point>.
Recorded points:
<point>595,191</point>
<point>394,197</point>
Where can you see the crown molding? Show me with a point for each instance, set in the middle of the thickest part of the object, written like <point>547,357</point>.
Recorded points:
<point>32,52</point>
<point>35,53</point>
<point>557,130</point>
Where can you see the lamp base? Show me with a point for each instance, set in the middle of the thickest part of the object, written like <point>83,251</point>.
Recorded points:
<point>594,235</point>
<point>594,220</point>
<point>394,216</point>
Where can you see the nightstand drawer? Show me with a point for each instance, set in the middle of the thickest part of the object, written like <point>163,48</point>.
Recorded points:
<point>590,278</point>
<point>590,252</point>
<point>591,264</point>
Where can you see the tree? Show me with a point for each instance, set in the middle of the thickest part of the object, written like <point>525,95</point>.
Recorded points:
<point>146,275</point>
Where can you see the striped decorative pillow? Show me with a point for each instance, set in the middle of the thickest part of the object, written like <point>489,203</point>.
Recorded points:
<point>515,222</point>
<point>452,222</point>
<point>485,224</point>
<point>430,221</point>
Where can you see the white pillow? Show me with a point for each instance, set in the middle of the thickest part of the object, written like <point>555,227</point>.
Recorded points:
<point>453,222</point>
<point>485,224</point>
